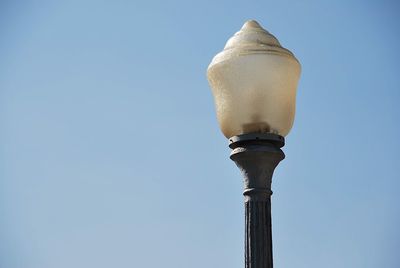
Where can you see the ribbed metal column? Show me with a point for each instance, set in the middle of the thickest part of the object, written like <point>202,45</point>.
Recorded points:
<point>257,155</point>
<point>258,237</point>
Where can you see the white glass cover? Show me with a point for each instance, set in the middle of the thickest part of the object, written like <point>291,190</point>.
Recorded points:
<point>254,81</point>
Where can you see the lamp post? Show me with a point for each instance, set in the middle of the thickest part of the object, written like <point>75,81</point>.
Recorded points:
<point>254,81</point>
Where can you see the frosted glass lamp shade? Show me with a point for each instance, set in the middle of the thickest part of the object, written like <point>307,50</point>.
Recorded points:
<point>254,81</point>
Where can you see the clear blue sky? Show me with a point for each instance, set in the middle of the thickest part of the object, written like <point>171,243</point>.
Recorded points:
<point>111,156</point>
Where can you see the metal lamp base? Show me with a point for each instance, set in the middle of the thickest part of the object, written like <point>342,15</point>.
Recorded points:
<point>257,155</point>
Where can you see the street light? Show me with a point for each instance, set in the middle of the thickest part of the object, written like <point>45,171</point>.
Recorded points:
<point>254,81</point>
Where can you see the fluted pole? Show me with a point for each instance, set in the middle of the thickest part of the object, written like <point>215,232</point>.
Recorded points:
<point>257,155</point>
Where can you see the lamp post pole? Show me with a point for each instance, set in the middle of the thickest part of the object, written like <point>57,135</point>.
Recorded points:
<point>254,81</point>
<point>257,155</point>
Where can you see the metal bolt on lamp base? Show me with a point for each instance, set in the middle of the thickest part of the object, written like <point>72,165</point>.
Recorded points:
<point>257,155</point>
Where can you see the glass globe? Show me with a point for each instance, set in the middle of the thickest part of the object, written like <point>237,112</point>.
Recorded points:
<point>254,81</point>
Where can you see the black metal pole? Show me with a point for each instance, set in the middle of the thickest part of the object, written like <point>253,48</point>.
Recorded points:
<point>257,155</point>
